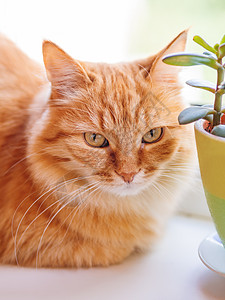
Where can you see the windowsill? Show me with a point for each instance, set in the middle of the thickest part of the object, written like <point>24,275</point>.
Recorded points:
<point>172,271</point>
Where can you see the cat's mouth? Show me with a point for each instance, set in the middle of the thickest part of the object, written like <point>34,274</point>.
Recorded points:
<point>128,187</point>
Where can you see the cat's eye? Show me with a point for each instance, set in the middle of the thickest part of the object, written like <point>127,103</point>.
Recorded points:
<point>153,135</point>
<point>95,140</point>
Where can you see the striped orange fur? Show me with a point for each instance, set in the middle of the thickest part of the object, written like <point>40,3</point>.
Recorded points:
<point>64,203</point>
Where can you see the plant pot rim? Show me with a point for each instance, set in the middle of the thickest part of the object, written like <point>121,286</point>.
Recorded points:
<point>199,126</point>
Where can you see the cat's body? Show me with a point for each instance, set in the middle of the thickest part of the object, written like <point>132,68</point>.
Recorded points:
<point>65,203</point>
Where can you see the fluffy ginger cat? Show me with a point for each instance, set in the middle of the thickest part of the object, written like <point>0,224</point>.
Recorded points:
<point>91,156</point>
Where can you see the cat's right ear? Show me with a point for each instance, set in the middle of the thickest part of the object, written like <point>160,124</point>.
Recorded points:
<point>65,74</point>
<point>159,73</point>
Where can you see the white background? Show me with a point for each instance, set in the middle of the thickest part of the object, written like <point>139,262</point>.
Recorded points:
<point>89,30</point>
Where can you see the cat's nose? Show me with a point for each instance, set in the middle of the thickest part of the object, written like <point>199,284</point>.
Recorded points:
<point>128,177</point>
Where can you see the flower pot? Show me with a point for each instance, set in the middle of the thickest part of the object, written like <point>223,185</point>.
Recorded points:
<point>211,155</point>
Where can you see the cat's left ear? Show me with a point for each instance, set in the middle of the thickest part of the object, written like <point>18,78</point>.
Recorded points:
<point>158,71</point>
<point>64,73</point>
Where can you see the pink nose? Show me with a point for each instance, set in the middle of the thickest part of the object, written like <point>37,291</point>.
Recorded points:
<point>127,177</point>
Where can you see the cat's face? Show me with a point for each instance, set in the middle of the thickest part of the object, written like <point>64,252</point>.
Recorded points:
<point>114,126</point>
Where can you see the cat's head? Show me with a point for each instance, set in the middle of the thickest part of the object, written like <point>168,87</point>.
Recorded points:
<point>108,125</point>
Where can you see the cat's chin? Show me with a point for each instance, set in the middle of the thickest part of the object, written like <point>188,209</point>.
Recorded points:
<point>127,190</point>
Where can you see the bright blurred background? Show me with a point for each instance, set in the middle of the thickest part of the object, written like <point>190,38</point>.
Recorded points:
<point>112,31</point>
<point>117,30</point>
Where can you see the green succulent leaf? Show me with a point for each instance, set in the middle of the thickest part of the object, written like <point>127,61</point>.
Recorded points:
<point>216,46</point>
<point>197,39</point>
<point>194,113</point>
<point>208,105</point>
<point>222,40</point>
<point>188,59</point>
<point>221,50</point>
<point>205,85</point>
<point>219,130</point>
<point>210,54</point>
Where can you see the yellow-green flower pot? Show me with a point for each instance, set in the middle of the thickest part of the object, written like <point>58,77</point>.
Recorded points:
<point>211,155</point>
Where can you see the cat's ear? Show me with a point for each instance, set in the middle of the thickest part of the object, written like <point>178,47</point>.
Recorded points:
<point>157,71</point>
<point>64,73</point>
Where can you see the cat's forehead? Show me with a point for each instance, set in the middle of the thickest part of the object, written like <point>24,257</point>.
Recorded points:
<point>122,76</point>
<point>119,101</point>
<point>116,85</point>
<point>120,95</point>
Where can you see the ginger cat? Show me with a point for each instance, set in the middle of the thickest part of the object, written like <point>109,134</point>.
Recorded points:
<point>91,156</point>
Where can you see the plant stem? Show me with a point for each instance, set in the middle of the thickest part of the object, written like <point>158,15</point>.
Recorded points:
<point>218,96</point>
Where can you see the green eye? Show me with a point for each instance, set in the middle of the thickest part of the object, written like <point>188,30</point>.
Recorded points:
<point>95,140</point>
<point>153,135</point>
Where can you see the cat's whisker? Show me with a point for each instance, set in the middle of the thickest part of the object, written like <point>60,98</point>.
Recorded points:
<point>180,164</point>
<point>63,206</point>
<point>187,183</point>
<point>182,173</point>
<point>74,212</point>
<point>85,201</point>
<point>168,177</point>
<point>172,177</point>
<point>176,173</point>
<point>49,224</point>
<point>181,168</point>
<point>53,189</point>
<point>158,190</point>
<point>74,193</point>
<point>25,158</point>
<point>65,182</point>
<point>13,218</point>
<point>18,162</point>
<point>161,186</point>
<point>21,220</point>
<point>18,243</point>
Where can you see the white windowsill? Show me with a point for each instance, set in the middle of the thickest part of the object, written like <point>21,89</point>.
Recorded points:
<point>173,271</point>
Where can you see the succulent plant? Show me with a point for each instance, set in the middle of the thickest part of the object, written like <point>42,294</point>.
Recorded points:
<point>213,58</point>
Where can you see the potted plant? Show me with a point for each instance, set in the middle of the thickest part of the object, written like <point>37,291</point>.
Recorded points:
<point>209,127</point>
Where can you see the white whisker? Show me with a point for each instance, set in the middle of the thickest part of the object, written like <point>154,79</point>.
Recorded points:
<point>74,212</point>
<point>39,245</point>
<point>52,189</point>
